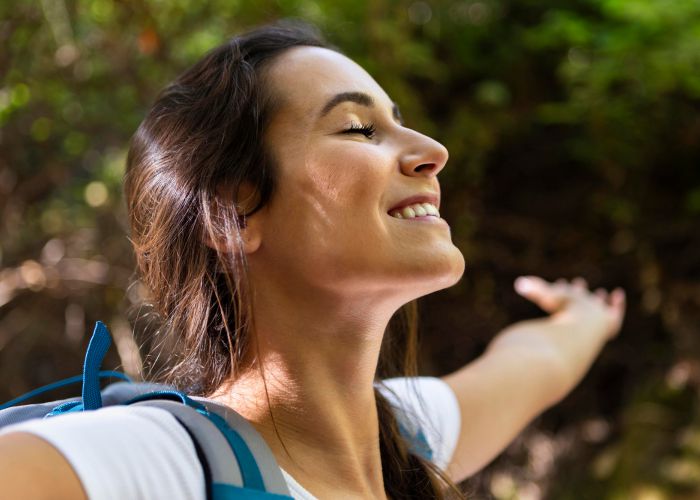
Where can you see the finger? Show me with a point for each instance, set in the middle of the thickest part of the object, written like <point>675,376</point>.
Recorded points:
<point>617,308</point>
<point>602,294</point>
<point>579,283</point>
<point>618,299</point>
<point>549,297</point>
<point>565,287</point>
<point>560,286</point>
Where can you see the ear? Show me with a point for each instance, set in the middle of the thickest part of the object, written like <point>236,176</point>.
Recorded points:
<point>229,204</point>
<point>251,233</point>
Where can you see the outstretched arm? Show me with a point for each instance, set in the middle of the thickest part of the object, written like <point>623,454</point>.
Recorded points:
<point>529,366</point>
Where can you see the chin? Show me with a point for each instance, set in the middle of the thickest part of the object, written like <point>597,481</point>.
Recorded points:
<point>453,273</point>
<point>440,273</point>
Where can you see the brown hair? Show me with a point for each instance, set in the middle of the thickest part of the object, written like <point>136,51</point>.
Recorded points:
<point>205,131</point>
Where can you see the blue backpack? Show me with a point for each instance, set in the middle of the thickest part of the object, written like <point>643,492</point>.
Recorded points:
<point>237,463</point>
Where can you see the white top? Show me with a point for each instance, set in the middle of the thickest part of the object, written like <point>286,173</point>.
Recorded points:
<point>142,452</point>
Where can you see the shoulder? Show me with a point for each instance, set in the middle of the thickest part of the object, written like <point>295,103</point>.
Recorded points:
<point>32,468</point>
<point>407,389</point>
<point>427,405</point>
<point>124,452</point>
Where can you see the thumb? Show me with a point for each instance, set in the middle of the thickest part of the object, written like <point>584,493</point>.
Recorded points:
<point>549,297</point>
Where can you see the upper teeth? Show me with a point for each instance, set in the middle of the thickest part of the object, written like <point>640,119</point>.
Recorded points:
<point>415,210</point>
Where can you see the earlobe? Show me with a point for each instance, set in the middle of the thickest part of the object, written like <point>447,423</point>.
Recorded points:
<point>251,235</point>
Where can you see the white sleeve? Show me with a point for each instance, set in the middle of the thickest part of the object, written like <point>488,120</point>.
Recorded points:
<point>123,452</point>
<point>432,405</point>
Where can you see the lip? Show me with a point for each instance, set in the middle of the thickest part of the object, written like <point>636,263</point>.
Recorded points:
<point>417,198</point>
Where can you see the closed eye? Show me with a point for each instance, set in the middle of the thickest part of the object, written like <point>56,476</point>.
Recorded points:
<point>366,129</point>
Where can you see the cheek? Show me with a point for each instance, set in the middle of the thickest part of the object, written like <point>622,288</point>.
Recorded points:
<point>325,204</point>
<point>329,203</point>
<point>347,179</point>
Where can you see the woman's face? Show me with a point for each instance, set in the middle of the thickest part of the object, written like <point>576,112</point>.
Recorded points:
<point>332,222</point>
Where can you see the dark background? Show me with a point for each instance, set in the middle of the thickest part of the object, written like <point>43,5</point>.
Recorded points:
<point>574,133</point>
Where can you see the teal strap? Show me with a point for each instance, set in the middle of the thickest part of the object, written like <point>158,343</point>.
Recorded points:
<point>229,492</point>
<point>246,461</point>
<point>250,472</point>
<point>421,446</point>
<point>58,384</point>
<point>171,395</point>
<point>418,442</point>
<point>70,406</point>
<point>97,348</point>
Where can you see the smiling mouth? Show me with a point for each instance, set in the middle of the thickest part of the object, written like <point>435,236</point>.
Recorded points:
<point>416,210</point>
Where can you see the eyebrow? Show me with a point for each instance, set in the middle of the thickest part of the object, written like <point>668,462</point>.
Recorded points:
<point>359,98</point>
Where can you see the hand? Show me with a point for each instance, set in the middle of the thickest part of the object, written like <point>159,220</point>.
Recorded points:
<point>573,301</point>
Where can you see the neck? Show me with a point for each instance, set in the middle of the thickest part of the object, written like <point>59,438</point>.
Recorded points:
<point>310,392</point>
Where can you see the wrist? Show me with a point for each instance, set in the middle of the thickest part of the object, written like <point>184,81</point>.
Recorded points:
<point>582,323</point>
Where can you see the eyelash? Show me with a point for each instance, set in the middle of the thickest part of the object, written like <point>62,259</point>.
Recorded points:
<point>366,129</point>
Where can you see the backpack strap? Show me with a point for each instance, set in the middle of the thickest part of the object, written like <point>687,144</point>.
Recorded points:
<point>260,452</point>
<point>241,465</point>
<point>221,460</point>
<point>417,442</point>
<point>97,348</point>
<point>57,385</point>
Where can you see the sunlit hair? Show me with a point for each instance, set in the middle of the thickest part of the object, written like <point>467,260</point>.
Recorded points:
<point>204,133</point>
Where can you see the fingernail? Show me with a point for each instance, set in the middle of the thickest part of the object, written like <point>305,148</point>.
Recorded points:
<point>523,285</point>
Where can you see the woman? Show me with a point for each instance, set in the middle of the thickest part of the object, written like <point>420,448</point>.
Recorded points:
<point>281,214</point>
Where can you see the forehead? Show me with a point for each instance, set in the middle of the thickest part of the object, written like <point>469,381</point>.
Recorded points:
<point>302,79</point>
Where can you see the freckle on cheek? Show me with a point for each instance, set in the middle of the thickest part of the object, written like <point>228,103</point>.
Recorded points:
<point>332,189</point>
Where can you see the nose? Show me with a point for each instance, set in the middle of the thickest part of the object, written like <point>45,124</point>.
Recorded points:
<point>424,156</point>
